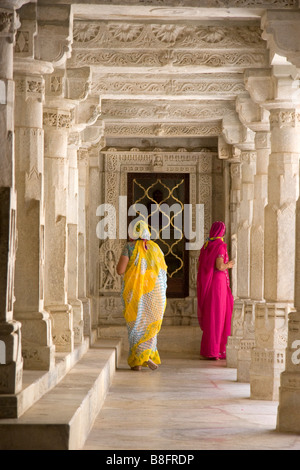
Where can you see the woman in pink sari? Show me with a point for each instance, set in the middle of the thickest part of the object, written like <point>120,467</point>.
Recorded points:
<point>215,300</point>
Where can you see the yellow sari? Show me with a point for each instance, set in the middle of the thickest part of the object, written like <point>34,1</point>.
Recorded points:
<point>144,298</point>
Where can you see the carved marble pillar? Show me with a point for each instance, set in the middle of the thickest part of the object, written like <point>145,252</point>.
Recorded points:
<point>256,258</point>
<point>94,196</point>
<point>248,158</point>
<point>72,224</point>
<point>280,216</point>
<point>37,346</point>
<point>10,330</point>
<point>238,316</point>
<point>242,179</point>
<point>257,119</point>
<point>57,121</point>
<point>289,391</point>
<point>82,156</point>
<point>262,145</point>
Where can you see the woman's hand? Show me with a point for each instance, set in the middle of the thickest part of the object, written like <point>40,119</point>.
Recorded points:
<point>230,264</point>
<point>221,266</point>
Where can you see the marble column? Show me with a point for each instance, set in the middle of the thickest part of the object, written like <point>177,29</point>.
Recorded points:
<point>37,346</point>
<point>82,238</point>
<point>268,359</point>
<point>257,120</point>
<point>289,391</point>
<point>92,240</point>
<point>262,146</point>
<point>238,316</point>
<point>57,121</point>
<point>248,159</point>
<point>11,370</point>
<point>72,223</point>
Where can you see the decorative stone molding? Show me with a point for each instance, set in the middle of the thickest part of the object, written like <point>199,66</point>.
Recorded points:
<point>227,85</point>
<point>165,110</point>
<point>58,119</point>
<point>170,129</point>
<point>175,58</point>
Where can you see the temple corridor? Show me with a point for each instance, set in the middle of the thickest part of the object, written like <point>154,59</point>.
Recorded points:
<point>189,110</point>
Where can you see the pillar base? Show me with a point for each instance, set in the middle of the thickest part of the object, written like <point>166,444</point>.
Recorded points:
<point>289,406</point>
<point>233,342</point>
<point>37,347</point>
<point>11,367</point>
<point>62,327</point>
<point>266,367</point>
<point>244,360</point>
<point>268,356</point>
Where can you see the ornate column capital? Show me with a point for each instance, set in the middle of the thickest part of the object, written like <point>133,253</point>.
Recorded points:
<point>9,23</point>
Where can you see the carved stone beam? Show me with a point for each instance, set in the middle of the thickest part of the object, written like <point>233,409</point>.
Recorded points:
<point>282,33</point>
<point>235,133</point>
<point>53,43</point>
<point>252,115</point>
<point>274,88</point>
<point>93,135</point>
<point>78,83</point>
<point>25,63</point>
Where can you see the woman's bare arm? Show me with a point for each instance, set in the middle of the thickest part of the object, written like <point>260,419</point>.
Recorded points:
<point>122,264</point>
<point>221,266</point>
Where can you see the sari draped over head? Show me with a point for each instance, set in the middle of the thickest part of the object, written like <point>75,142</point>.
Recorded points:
<point>215,301</point>
<point>143,295</point>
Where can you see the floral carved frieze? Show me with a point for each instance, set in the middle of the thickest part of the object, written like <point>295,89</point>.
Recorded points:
<point>143,44</point>
<point>126,35</point>
<point>168,110</point>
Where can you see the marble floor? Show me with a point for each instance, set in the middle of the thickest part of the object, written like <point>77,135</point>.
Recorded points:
<point>187,404</point>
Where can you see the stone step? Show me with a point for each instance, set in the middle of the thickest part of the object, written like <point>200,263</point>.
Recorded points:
<point>37,383</point>
<point>63,417</point>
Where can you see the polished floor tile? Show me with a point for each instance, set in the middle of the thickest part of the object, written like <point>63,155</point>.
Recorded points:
<point>187,404</point>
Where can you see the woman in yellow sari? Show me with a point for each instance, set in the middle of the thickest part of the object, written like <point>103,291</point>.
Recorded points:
<point>144,296</point>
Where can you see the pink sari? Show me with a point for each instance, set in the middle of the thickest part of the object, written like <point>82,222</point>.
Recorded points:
<point>215,300</point>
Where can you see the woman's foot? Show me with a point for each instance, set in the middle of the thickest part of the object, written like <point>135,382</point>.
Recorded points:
<point>152,365</point>
<point>136,368</point>
<point>204,358</point>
